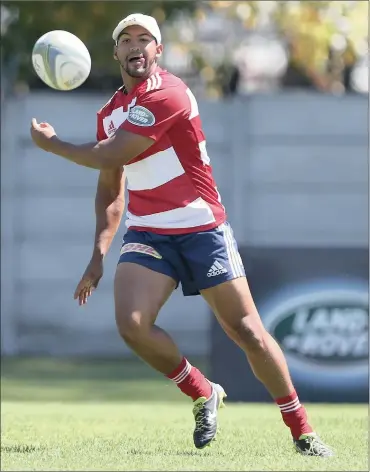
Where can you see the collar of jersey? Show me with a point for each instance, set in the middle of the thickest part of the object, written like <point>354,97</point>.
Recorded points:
<point>123,88</point>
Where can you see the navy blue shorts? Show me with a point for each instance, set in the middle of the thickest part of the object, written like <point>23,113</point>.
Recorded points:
<point>197,260</point>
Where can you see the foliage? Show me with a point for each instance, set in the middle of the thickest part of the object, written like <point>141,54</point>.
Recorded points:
<point>92,21</point>
<point>323,37</point>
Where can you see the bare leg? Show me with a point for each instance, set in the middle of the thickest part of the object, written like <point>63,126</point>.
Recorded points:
<point>234,308</point>
<point>139,295</point>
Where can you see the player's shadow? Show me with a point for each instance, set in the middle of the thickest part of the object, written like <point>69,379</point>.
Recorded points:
<point>20,448</point>
<point>142,452</point>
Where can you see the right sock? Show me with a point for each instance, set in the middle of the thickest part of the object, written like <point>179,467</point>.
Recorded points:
<point>191,381</point>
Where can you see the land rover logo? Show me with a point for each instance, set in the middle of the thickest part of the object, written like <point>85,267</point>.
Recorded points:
<point>141,116</point>
<point>326,329</point>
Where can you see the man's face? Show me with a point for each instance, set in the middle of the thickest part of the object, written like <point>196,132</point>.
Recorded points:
<point>136,51</point>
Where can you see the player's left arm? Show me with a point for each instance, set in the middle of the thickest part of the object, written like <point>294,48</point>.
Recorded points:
<point>153,115</point>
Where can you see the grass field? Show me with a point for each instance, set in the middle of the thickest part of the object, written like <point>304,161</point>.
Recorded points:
<point>75,415</point>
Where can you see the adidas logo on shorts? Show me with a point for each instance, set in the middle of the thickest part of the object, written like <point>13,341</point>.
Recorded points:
<point>216,269</point>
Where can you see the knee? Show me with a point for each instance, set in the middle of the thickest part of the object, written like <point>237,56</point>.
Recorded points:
<point>250,335</point>
<point>132,326</point>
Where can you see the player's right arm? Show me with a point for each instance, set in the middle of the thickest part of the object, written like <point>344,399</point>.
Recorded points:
<point>160,108</point>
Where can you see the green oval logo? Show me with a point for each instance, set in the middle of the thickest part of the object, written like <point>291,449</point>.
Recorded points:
<point>329,329</point>
<point>141,116</point>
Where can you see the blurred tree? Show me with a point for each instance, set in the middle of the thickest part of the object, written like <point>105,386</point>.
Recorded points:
<point>317,34</point>
<point>92,21</point>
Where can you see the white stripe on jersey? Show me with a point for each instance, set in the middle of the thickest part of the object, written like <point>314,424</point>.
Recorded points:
<point>149,84</point>
<point>194,110</point>
<point>154,82</point>
<point>159,80</point>
<point>154,171</point>
<point>203,153</point>
<point>196,213</point>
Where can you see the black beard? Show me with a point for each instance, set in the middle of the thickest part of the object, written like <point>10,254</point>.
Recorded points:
<point>137,73</point>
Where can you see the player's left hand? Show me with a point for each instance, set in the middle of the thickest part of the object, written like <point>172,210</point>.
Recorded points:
<point>41,134</point>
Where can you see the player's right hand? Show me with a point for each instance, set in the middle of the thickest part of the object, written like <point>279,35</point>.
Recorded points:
<point>89,281</point>
<point>42,134</point>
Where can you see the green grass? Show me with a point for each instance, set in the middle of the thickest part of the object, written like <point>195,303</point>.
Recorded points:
<point>64,415</point>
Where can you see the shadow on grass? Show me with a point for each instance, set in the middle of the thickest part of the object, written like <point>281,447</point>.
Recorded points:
<point>35,379</point>
<point>140,452</point>
<point>21,448</point>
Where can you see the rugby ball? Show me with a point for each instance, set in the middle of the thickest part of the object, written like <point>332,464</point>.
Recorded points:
<point>61,60</point>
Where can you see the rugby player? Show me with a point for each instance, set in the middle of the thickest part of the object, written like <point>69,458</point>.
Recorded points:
<point>150,134</point>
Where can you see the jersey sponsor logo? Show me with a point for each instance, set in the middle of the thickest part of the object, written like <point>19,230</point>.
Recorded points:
<point>324,330</point>
<point>141,116</point>
<point>141,248</point>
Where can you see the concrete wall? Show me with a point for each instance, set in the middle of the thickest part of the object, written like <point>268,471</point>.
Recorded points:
<point>292,170</point>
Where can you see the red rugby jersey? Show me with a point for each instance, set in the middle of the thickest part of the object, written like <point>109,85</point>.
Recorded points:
<point>171,187</point>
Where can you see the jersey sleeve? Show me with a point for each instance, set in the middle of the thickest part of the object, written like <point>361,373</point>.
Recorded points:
<point>156,111</point>
<point>100,133</point>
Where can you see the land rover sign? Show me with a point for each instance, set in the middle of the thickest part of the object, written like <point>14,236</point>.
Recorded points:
<point>314,301</point>
<point>325,332</point>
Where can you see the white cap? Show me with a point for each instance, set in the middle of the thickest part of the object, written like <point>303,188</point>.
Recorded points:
<point>147,22</point>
